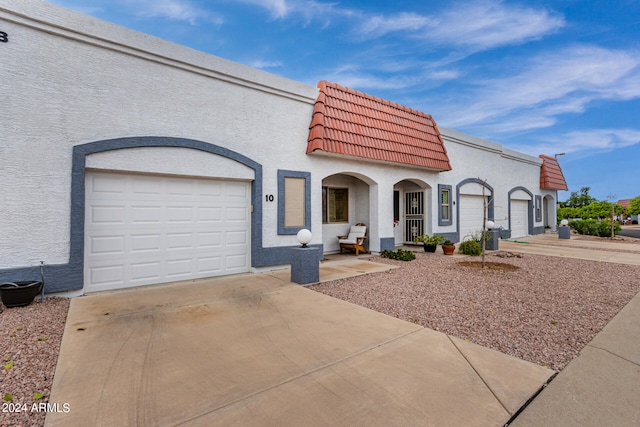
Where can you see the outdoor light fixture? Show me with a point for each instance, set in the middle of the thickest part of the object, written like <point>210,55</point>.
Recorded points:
<point>490,225</point>
<point>304,237</point>
<point>564,222</point>
<point>559,154</point>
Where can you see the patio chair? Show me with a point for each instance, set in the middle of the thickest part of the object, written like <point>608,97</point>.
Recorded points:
<point>355,240</point>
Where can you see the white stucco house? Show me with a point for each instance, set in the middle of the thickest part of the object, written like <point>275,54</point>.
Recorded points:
<point>129,160</point>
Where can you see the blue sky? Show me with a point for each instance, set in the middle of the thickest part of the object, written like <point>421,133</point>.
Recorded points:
<point>558,76</point>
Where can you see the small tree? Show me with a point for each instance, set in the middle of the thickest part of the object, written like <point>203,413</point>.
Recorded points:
<point>634,206</point>
<point>485,204</point>
<point>578,200</point>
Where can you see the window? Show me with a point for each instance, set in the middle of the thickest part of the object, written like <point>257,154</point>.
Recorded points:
<point>538,208</point>
<point>335,205</point>
<point>294,201</point>
<point>444,206</point>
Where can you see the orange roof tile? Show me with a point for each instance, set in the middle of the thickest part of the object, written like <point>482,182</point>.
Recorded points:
<point>551,176</point>
<point>624,203</point>
<point>352,123</point>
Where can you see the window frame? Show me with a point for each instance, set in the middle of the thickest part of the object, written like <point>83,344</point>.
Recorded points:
<point>282,175</point>
<point>326,206</point>
<point>441,206</point>
<point>538,208</point>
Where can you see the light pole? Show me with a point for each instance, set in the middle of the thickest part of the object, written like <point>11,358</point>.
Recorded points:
<point>555,156</point>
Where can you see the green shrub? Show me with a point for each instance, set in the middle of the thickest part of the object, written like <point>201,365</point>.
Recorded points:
<point>470,247</point>
<point>592,227</point>
<point>400,254</point>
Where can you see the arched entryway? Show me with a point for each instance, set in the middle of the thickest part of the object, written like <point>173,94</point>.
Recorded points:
<point>346,201</point>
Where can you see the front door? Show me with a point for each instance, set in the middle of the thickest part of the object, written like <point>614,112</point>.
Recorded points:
<point>413,215</point>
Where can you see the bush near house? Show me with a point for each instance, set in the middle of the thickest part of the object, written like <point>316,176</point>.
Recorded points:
<point>400,255</point>
<point>470,247</point>
<point>593,227</point>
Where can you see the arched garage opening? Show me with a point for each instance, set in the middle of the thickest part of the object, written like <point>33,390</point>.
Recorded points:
<point>157,207</point>
<point>520,212</point>
<point>474,204</point>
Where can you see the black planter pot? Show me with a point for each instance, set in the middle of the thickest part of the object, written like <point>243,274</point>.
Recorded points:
<point>19,294</point>
<point>430,248</point>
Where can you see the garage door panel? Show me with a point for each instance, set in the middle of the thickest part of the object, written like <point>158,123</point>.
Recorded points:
<point>107,214</point>
<point>145,242</point>
<point>472,208</point>
<point>236,189</point>
<point>107,275</point>
<point>236,238</point>
<point>519,218</point>
<point>179,240</point>
<point>236,262</point>
<point>210,265</point>
<point>209,214</point>
<point>146,214</point>
<point>185,228</point>
<point>209,240</point>
<point>107,245</point>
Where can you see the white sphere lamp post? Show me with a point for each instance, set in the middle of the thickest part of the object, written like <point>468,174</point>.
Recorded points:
<point>304,237</point>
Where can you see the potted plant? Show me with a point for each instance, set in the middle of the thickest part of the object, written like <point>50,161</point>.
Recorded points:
<point>448,247</point>
<point>430,243</point>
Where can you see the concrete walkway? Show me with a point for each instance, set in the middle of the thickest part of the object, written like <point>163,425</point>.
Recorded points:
<point>601,387</point>
<point>551,245</point>
<point>257,349</point>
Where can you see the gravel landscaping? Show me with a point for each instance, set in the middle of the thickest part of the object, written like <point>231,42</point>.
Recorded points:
<point>545,310</point>
<point>30,340</point>
<point>537,308</point>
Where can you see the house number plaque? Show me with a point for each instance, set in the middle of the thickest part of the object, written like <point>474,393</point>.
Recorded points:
<point>4,37</point>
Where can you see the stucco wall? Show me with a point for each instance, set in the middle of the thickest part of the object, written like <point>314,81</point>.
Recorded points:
<point>75,79</point>
<point>501,168</point>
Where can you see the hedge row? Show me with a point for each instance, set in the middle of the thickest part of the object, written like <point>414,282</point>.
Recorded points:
<point>593,227</point>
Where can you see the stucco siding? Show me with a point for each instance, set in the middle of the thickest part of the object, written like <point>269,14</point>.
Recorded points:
<point>70,79</point>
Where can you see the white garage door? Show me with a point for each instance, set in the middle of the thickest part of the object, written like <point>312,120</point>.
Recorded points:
<point>519,218</point>
<point>471,215</point>
<point>147,229</point>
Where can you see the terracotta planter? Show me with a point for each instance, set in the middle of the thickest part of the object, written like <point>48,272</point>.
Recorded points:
<point>448,249</point>
<point>19,294</point>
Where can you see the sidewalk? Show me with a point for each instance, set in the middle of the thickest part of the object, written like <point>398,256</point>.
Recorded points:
<point>601,387</point>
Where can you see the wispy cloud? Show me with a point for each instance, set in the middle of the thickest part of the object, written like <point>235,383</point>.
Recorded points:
<point>485,25</point>
<point>551,84</point>
<point>259,63</point>
<point>308,10</point>
<point>380,25</point>
<point>176,10</point>
<point>276,8</point>
<point>585,142</point>
<point>476,26</point>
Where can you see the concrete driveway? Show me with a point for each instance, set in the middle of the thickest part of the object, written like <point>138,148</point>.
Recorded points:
<point>259,350</point>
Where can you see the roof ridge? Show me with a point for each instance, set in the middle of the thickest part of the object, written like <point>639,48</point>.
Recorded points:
<point>374,98</point>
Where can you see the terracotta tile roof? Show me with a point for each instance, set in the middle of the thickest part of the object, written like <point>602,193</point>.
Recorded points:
<point>351,123</point>
<point>624,203</point>
<point>551,176</point>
